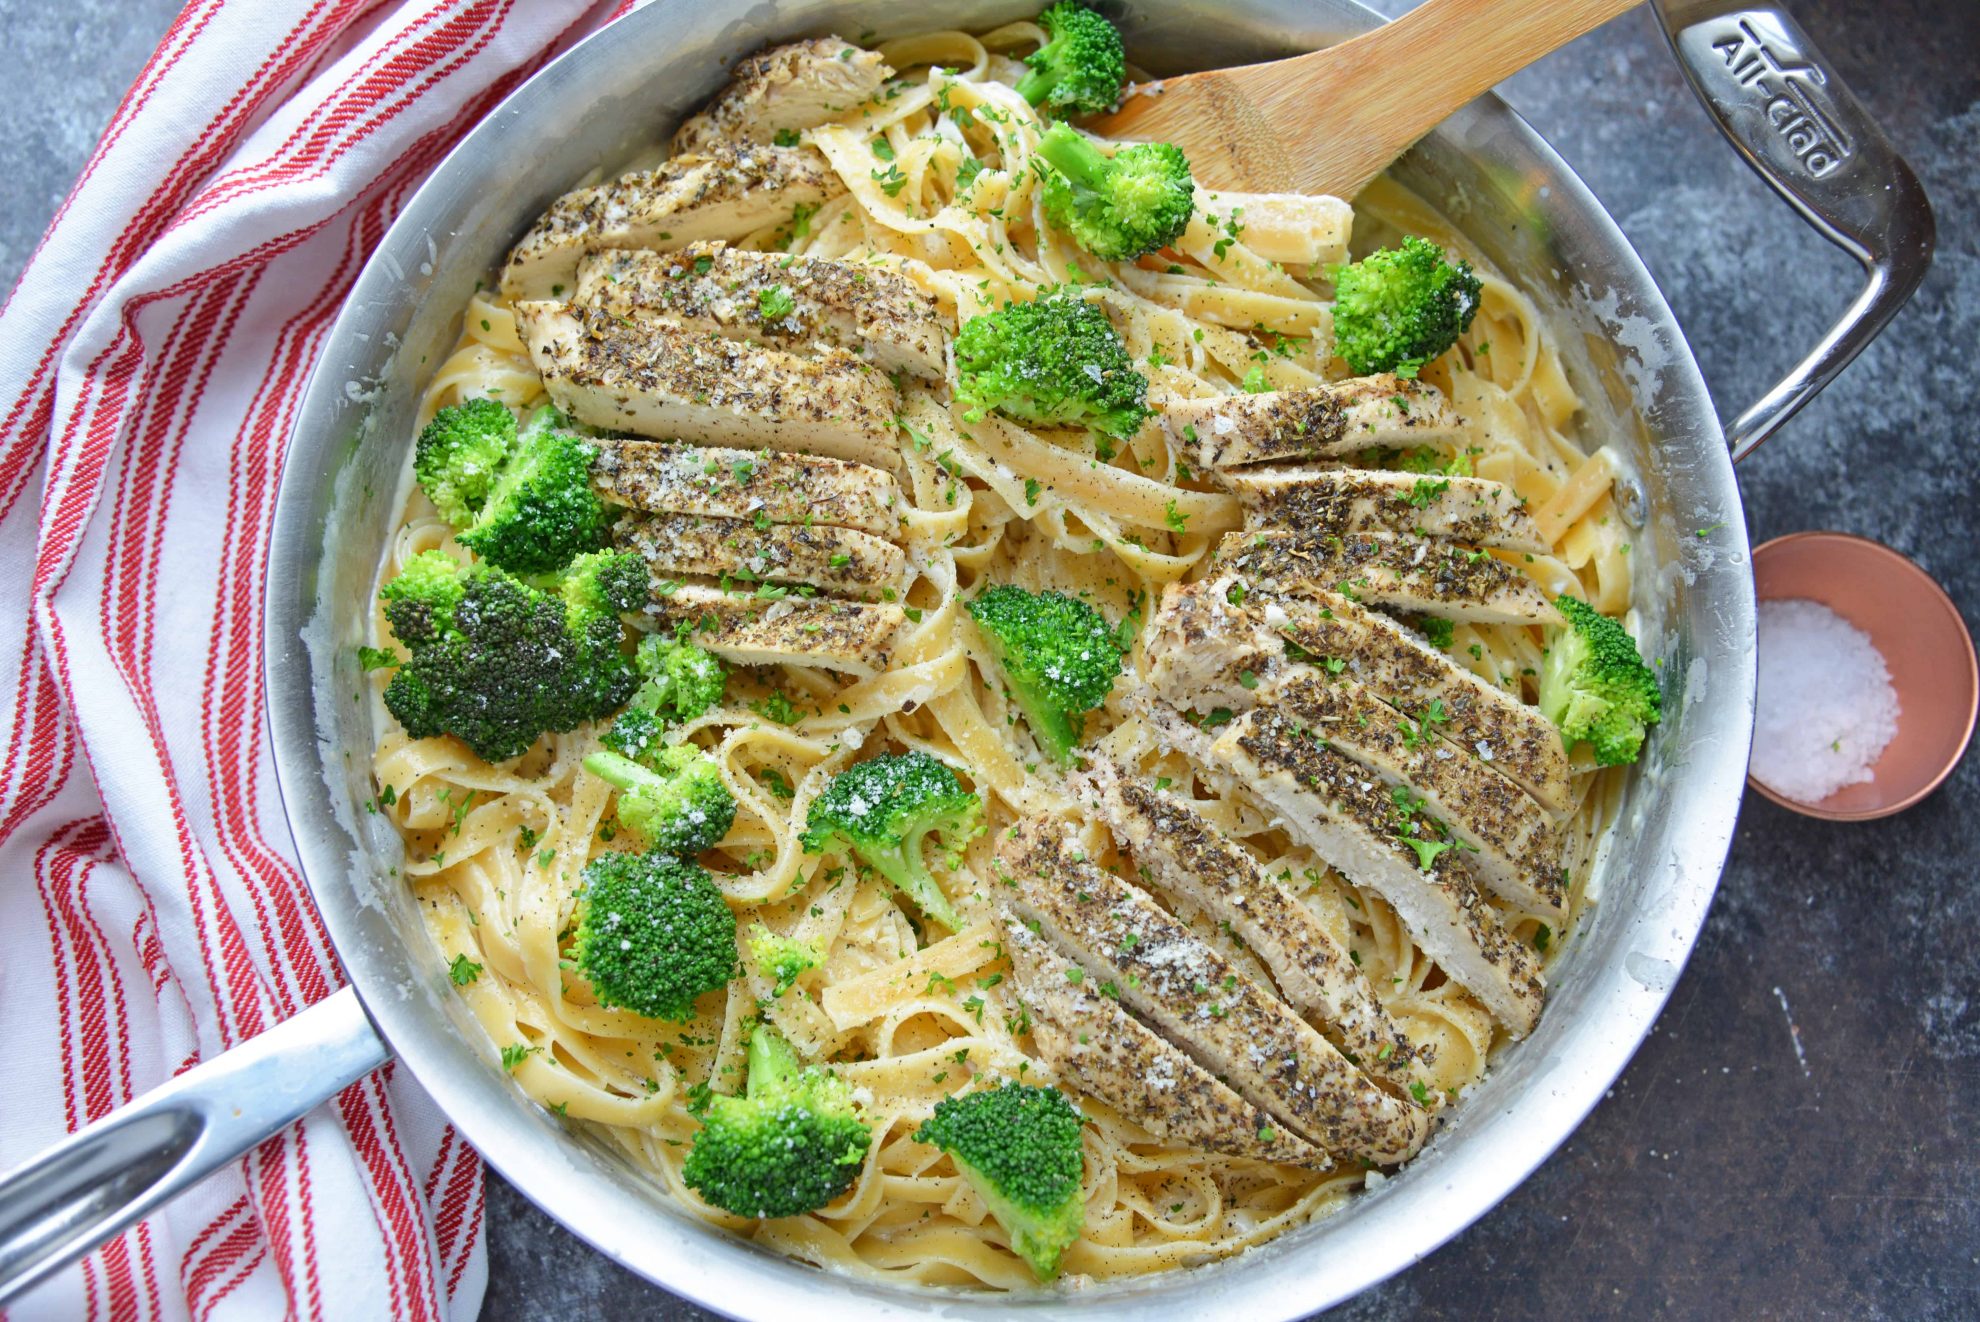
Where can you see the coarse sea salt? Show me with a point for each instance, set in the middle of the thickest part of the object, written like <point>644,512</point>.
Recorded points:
<point>1826,706</point>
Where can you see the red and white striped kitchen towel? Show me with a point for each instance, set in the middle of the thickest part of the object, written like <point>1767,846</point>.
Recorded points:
<point>151,911</point>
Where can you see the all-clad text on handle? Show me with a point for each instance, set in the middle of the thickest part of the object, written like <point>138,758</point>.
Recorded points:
<point>1781,104</point>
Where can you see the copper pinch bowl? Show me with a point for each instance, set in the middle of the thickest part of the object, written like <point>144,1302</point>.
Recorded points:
<point>1924,642</point>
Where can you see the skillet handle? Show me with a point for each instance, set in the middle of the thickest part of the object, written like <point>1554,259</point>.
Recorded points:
<point>109,1174</point>
<point>1774,96</point>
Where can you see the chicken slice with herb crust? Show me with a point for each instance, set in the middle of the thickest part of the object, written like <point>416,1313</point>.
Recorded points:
<point>1313,422</point>
<point>661,380</point>
<point>840,561</point>
<point>1506,839</point>
<point>751,630</point>
<point>1113,1056</point>
<point>1381,569</point>
<point>670,478</point>
<point>727,194</point>
<point>1226,623</point>
<point>1188,857</point>
<point>1355,500</point>
<point>771,298</point>
<point>777,92</point>
<point>1335,808</point>
<point>1190,994</point>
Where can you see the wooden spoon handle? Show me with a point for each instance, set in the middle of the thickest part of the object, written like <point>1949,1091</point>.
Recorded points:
<point>1380,92</point>
<point>1336,118</point>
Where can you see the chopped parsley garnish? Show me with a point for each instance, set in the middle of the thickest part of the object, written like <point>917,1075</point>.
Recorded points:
<point>1440,632</point>
<point>1422,730</point>
<point>1427,490</point>
<point>775,303</point>
<point>778,708</point>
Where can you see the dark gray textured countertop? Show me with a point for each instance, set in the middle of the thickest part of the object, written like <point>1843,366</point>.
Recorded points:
<point>1727,1175</point>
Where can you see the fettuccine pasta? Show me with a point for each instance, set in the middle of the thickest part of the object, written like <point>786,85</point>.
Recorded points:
<point>906,1016</point>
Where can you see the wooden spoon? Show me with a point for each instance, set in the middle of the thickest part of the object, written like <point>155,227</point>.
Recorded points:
<point>1331,121</point>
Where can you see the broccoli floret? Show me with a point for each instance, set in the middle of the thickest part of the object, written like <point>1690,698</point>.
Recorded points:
<point>1398,308</point>
<point>638,733</point>
<point>1081,67</point>
<point>1595,687</point>
<point>604,585</point>
<point>653,934</point>
<point>495,662</point>
<point>783,959</point>
<point>673,797</point>
<point>682,682</point>
<point>424,595</point>
<point>1117,207</point>
<point>791,1144</point>
<point>1056,361</point>
<point>541,511</point>
<point>1019,1147</point>
<point>1059,655</point>
<point>885,808</point>
<point>459,455</point>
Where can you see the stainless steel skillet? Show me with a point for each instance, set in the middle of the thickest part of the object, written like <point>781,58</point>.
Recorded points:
<point>1775,99</point>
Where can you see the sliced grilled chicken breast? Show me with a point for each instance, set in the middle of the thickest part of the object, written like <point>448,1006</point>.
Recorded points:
<point>1315,422</point>
<point>742,484</point>
<point>662,380</point>
<point>1089,1038</point>
<point>1383,569</point>
<point>784,89</point>
<point>1188,857</point>
<point>1335,808</point>
<point>837,560</point>
<point>1355,500</point>
<point>1510,842</point>
<point>1349,817</point>
<point>786,302</point>
<point>1191,995</point>
<point>852,636</point>
<point>1197,627</point>
<point>727,194</point>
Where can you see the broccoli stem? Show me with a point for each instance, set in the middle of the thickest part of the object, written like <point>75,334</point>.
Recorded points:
<point>1036,85</point>
<point>620,772</point>
<point>909,873</point>
<point>772,1063</point>
<point>1074,157</point>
